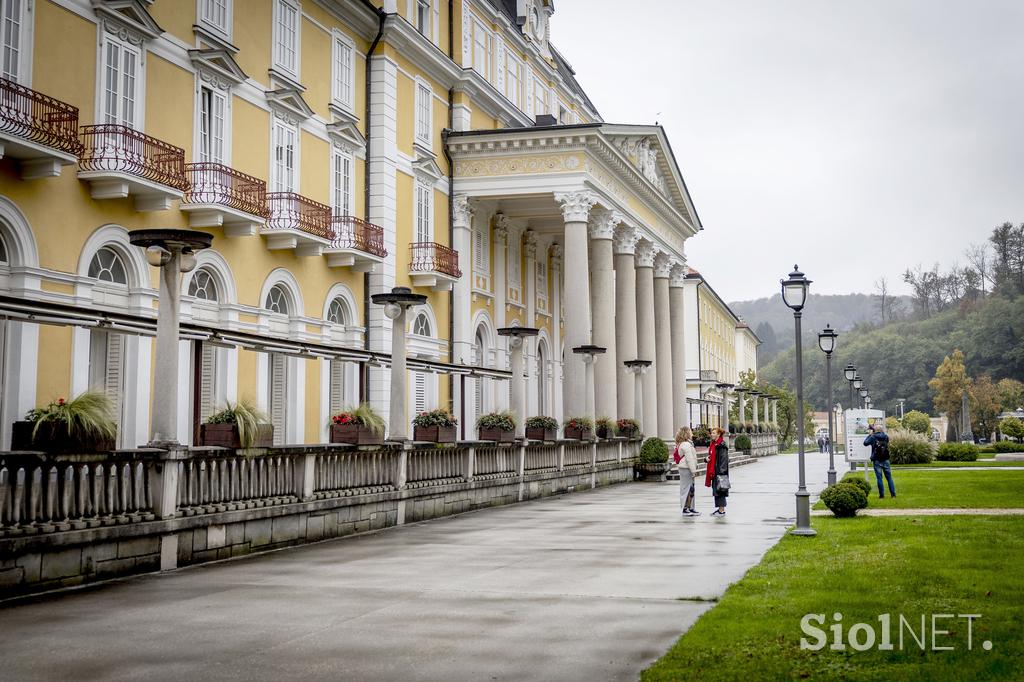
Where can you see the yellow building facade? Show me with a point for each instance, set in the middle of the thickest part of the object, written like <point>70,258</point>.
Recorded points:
<point>334,149</point>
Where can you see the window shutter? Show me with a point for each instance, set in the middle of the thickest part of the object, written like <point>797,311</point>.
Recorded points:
<point>113,385</point>
<point>208,380</point>
<point>278,398</point>
<point>337,386</point>
<point>419,399</point>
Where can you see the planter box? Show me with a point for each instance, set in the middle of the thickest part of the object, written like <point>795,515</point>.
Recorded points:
<point>356,434</point>
<point>498,435</point>
<point>604,432</point>
<point>55,439</point>
<point>537,433</point>
<point>651,472</point>
<point>434,434</point>
<point>579,434</point>
<point>226,436</point>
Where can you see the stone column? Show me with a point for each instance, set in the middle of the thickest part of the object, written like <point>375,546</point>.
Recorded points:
<point>754,406</point>
<point>575,211</point>
<point>663,346</point>
<point>775,413</point>
<point>625,316</point>
<point>500,286</point>
<point>766,420</point>
<point>165,399</point>
<point>530,343</point>
<point>743,408</point>
<point>462,335</point>
<point>646,332</point>
<point>516,347</point>
<point>725,409</point>
<point>602,300</point>
<point>676,302</point>
<point>399,427</point>
<point>556,332</point>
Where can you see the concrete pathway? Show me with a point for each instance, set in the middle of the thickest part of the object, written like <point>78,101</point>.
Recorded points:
<point>589,586</point>
<point>928,512</point>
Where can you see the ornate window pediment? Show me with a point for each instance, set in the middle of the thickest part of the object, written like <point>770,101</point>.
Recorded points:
<point>127,19</point>
<point>346,135</point>
<point>288,104</point>
<point>426,169</point>
<point>217,67</point>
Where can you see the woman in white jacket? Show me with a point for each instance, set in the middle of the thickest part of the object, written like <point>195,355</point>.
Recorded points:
<point>686,458</point>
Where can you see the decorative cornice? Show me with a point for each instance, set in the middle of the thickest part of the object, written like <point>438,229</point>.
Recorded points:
<point>462,211</point>
<point>677,277</point>
<point>662,265</point>
<point>576,205</point>
<point>556,256</point>
<point>530,244</point>
<point>644,254</point>
<point>602,224</point>
<point>625,240</point>
<point>127,19</point>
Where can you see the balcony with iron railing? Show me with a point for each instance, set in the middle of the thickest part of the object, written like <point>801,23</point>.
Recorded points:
<point>433,265</point>
<point>219,196</point>
<point>298,223</point>
<point>118,162</point>
<point>356,244</point>
<point>39,131</point>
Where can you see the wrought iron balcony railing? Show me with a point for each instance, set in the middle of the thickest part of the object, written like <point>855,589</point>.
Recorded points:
<point>214,183</point>
<point>433,257</point>
<point>291,211</point>
<point>118,148</point>
<point>351,232</point>
<point>38,118</point>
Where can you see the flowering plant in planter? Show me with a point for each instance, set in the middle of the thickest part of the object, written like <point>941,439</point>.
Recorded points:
<point>605,427</point>
<point>84,423</point>
<point>497,426</point>
<point>438,417</point>
<point>360,426</point>
<point>629,428</point>
<point>580,428</point>
<point>541,428</point>
<point>437,426</point>
<point>701,435</point>
<point>238,425</point>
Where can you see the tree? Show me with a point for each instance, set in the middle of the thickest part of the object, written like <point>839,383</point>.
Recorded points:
<point>918,421</point>
<point>978,256</point>
<point>885,299</point>
<point>892,423</point>
<point>985,406</point>
<point>1011,394</point>
<point>1011,427</point>
<point>949,384</point>
<point>1008,265</point>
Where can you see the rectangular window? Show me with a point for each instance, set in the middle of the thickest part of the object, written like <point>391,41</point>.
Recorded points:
<point>282,173</point>
<point>13,22</point>
<point>343,72</point>
<point>216,14</point>
<point>514,262</point>
<point>423,108</point>
<point>542,279</point>
<point>563,115</point>
<point>341,182</point>
<point>481,250</point>
<point>120,83</point>
<point>423,17</point>
<point>286,37</point>
<point>514,80</point>
<point>212,110</point>
<point>424,232</point>
<point>481,48</point>
<point>540,98</point>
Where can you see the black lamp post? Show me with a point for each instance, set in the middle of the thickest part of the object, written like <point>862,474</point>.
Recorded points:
<point>794,295</point>
<point>864,395</point>
<point>827,343</point>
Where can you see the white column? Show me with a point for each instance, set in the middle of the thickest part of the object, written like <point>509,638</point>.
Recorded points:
<point>462,335</point>
<point>530,343</point>
<point>677,315</point>
<point>625,317</point>
<point>663,346</point>
<point>646,332</point>
<point>575,211</point>
<point>556,332</point>
<point>516,347</point>
<point>775,412</point>
<point>165,400</point>
<point>743,408</point>
<point>726,403</point>
<point>500,286</point>
<point>754,406</point>
<point>399,429</point>
<point>766,420</point>
<point>602,300</point>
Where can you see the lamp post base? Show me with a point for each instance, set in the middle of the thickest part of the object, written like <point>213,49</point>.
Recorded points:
<point>832,476</point>
<point>803,515</point>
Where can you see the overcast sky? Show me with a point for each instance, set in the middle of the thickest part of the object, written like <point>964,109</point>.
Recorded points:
<point>854,138</point>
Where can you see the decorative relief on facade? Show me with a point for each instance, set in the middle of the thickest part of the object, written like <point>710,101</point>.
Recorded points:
<point>602,224</point>
<point>677,276</point>
<point>625,240</point>
<point>556,256</point>
<point>644,156</point>
<point>576,205</point>
<point>644,254</point>
<point>518,165</point>
<point>662,265</point>
<point>530,244</point>
<point>462,210</point>
<point>500,228</point>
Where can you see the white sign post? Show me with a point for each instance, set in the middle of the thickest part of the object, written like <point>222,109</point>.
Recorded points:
<point>858,423</point>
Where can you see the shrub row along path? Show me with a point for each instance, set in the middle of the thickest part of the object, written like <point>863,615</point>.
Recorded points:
<point>589,586</point>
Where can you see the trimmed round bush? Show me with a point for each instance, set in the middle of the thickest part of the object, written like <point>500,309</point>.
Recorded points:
<point>843,499</point>
<point>859,482</point>
<point>743,442</point>
<point>910,447</point>
<point>957,452</point>
<point>1007,446</point>
<point>653,451</point>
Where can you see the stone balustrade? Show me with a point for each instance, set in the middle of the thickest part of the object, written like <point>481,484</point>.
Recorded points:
<point>70,519</point>
<point>761,444</point>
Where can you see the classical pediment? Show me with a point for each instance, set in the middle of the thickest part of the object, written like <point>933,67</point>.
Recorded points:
<point>346,135</point>
<point>426,169</point>
<point>128,19</point>
<point>288,101</point>
<point>217,67</point>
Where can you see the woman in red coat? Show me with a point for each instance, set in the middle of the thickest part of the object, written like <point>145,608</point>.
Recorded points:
<point>717,472</point>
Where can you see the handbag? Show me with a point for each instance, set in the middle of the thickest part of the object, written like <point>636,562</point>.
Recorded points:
<point>722,483</point>
<point>676,458</point>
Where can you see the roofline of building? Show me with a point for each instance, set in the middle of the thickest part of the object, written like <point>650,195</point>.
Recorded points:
<point>740,324</point>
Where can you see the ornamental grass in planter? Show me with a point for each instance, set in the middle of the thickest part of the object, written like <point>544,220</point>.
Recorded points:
<point>605,427</point>
<point>579,428</point>
<point>435,426</point>
<point>541,428</point>
<point>238,425</point>
<point>628,428</point>
<point>83,424</point>
<point>360,426</point>
<point>499,427</point>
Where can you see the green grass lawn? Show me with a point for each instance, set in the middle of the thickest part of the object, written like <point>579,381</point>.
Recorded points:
<point>954,465</point>
<point>861,568</point>
<point>949,489</point>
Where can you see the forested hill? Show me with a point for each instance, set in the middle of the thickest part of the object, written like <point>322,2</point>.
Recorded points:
<point>772,321</point>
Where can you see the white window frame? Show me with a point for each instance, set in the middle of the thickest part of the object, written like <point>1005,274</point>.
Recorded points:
<point>22,67</point>
<point>343,78</point>
<point>481,43</point>
<point>423,208</point>
<point>281,127</point>
<point>423,127</point>
<point>208,22</point>
<point>277,47</point>
<point>515,261</point>
<point>540,88</point>
<point>138,118</point>
<point>427,27</point>
<point>342,184</point>
<point>482,249</point>
<point>215,94</point>
<point>514,86</point>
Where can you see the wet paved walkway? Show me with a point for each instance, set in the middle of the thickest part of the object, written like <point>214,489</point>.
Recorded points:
<point>589,586</point>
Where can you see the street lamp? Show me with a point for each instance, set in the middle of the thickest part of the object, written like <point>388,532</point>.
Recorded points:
<point>588,351</point>
<point>396,303</point>
<point>864,395</point>
<point>900,402</point>
<point>725,388</point>
<point>794,295</point>
<point>742,401</point>
<point>827,343</point>
<point>638,368</point>
<point>516,336</point>
<point>173,251</point>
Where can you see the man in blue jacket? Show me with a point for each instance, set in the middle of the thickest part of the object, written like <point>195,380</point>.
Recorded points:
<point>878,441</point>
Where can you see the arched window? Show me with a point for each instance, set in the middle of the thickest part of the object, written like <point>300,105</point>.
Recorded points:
<point>107,266</point>
<point>478,360</point>
<point>4,258</point>
<point>204,286</point>
<point>338,312</point>
<point>277,300</point>
<point>542,379</point>
<point>421,325</point>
